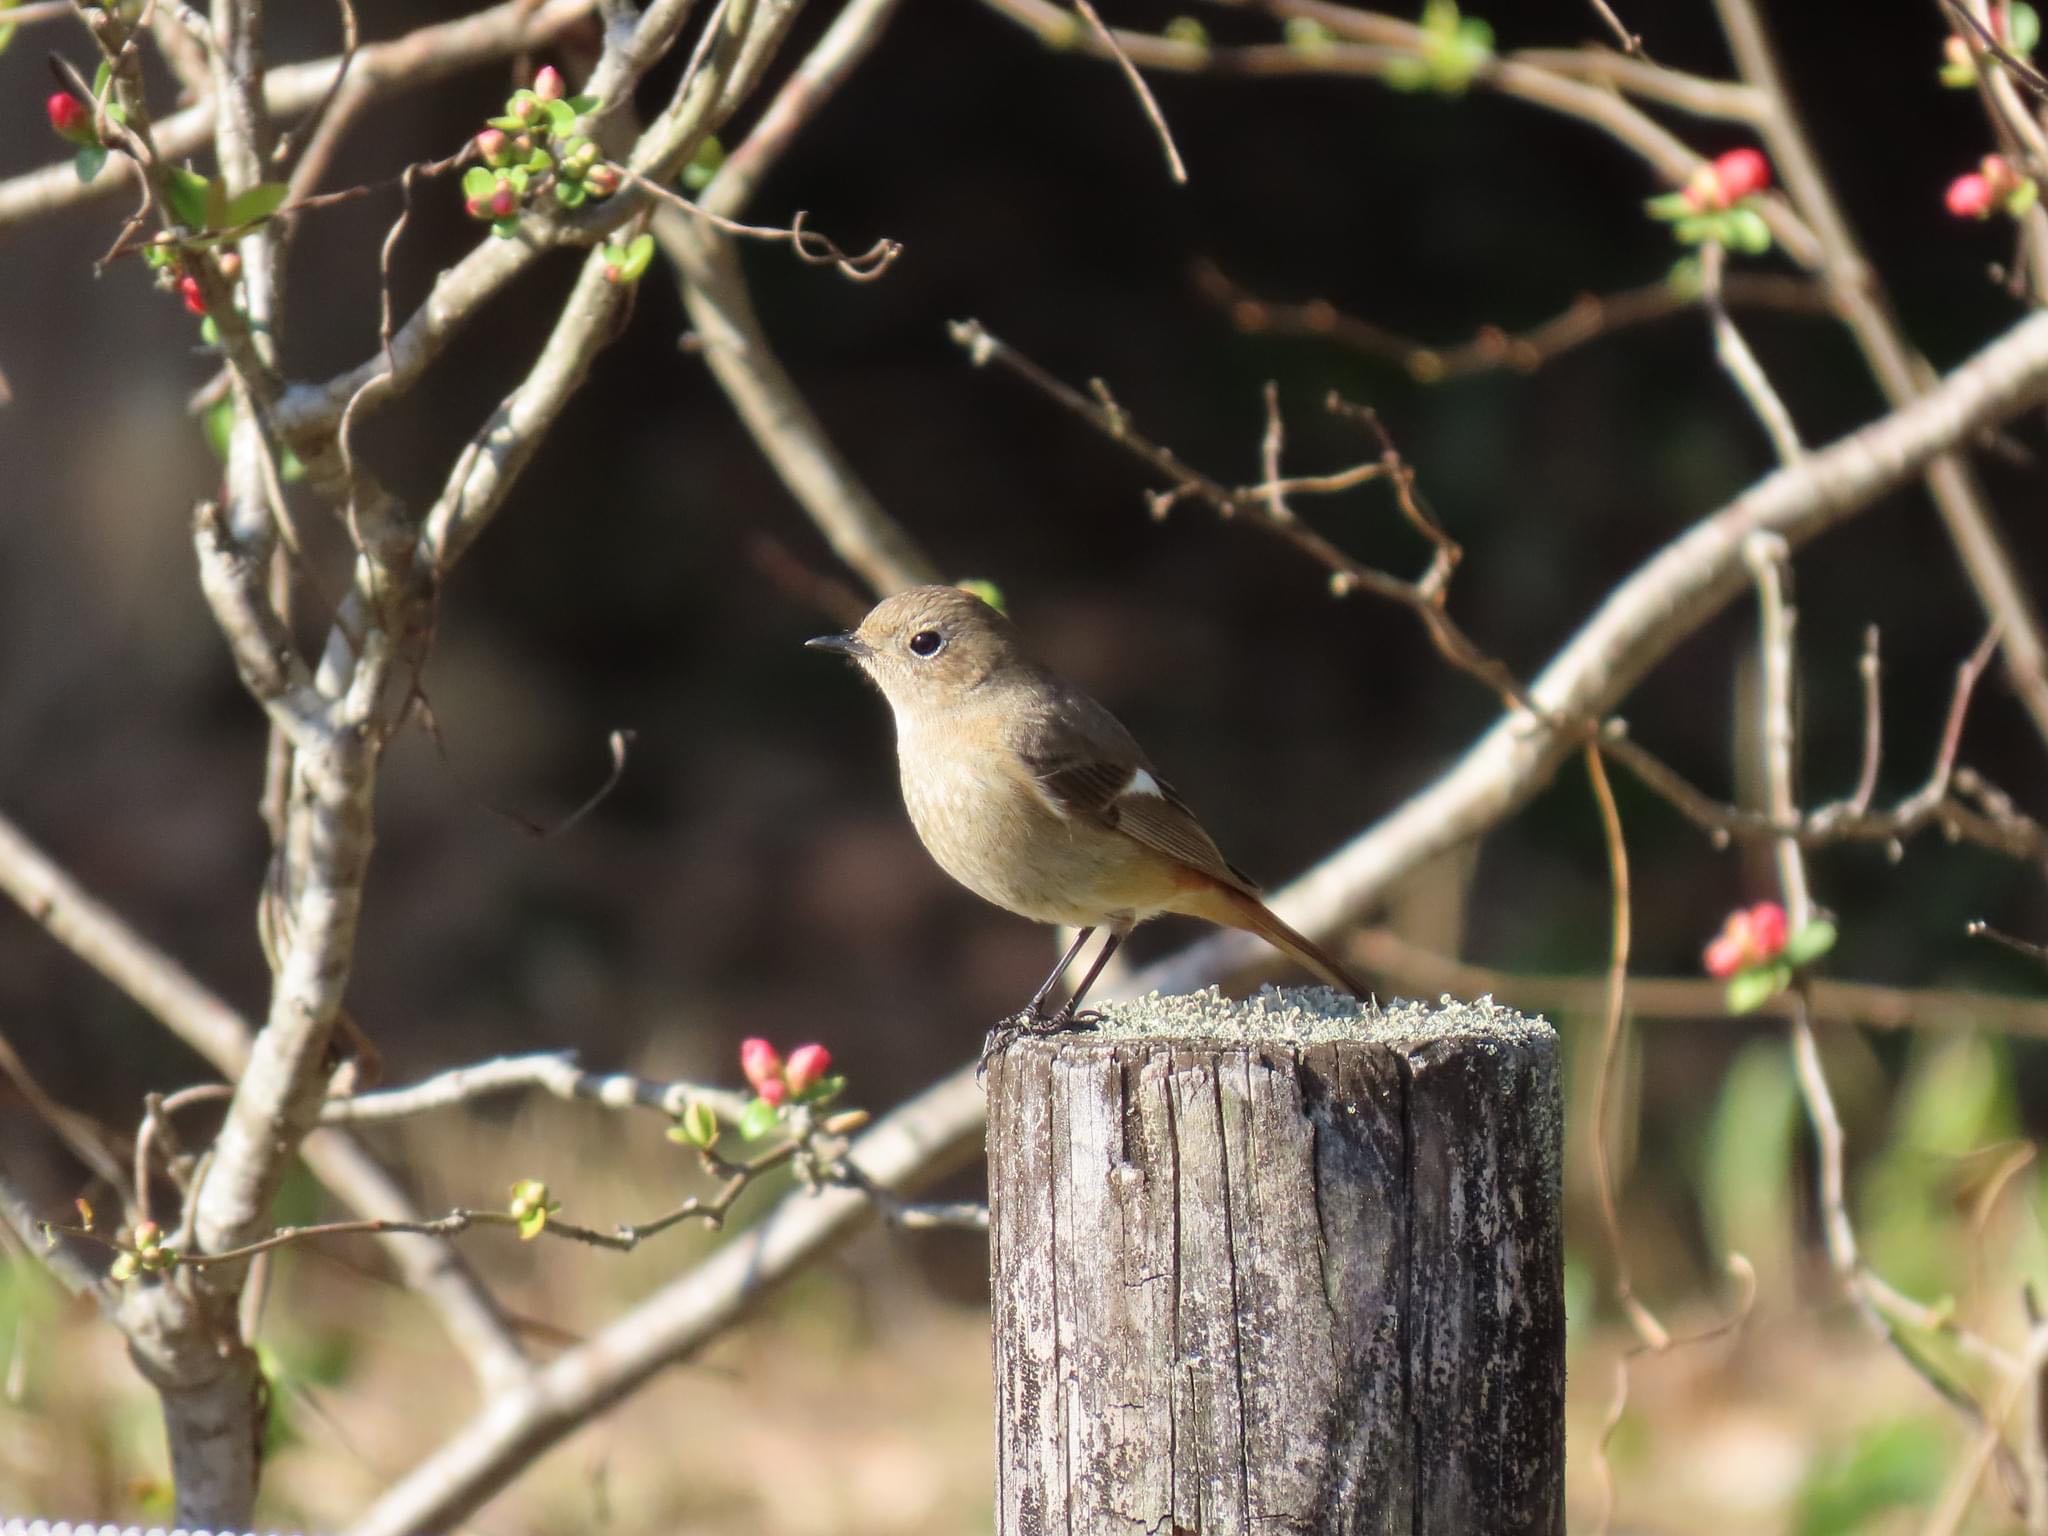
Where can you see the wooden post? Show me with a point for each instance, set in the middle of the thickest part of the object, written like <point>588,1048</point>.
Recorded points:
<point>1287,1265</point>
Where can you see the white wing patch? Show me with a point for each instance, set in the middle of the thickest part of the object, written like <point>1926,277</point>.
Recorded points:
<point>1142,783</point>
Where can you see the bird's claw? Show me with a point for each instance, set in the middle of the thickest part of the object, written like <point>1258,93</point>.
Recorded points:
<point>1028,1021</point>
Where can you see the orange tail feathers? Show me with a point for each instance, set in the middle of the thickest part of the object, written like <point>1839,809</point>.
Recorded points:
<point>1229,908</point>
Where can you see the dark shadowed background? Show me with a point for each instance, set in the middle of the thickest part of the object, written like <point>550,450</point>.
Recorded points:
<point>753,873</point>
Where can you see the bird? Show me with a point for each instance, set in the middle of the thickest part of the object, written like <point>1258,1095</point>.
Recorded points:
<point>1035,797</point>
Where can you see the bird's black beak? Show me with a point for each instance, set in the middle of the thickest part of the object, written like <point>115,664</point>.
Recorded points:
<point>850,646</point>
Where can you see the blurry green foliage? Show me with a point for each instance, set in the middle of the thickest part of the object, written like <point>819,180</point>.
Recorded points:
<point>1955,1099</point>
<point>1748,1191</point>
<point>1900,1464</point>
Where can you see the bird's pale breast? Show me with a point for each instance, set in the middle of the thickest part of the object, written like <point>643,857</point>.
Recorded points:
<point>991,830</point>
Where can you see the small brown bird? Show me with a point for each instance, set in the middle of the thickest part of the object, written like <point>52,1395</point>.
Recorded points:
<point>1035,797</point>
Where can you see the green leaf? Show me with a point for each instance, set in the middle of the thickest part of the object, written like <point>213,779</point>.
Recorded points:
<point>100,77</point>
<point>561,116</point>
<point>1744,230</point>
<point>1185,29</point>
<point>505,228</point>
<point>477,181</point>
<point>1810,943</point>
<point>1897,1466</point>
<point>823,1091</point>
<point>583,106</point>
<point>518,175</point>
<point>532,1223</point>
<point>6,30</point>
<point>1408,74</point>
<point>697,1126</point>
<point>540,162</point>
<point>2023,197</point>
<point>1672,205</point>
<point>704,164</point>
<point>188,196</point>
<point>87,161</point>
<point>1697,229</point>
<point>1304,35</point>
<point>638,254</point>
<point>1958,74</point>
<point>758,1119</point>
<point>217,424</point>
<point>1685,279</point>
<point>2022,29</point>
<point>508,123</point>
<point>571,194</point>
<point>987,591</point>
<point>1749,990</point>
<point>256,204</point>
<point>209,331</point>
<point>290,469</point>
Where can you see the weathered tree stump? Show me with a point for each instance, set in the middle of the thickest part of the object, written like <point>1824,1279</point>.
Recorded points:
<point>1287,1265</point>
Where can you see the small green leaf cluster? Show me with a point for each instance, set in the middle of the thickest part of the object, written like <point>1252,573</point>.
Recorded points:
<point>1718,206</point>
<point>532,150</point>
<point>151,1255</point>
<point>2017,27</point>
<point>697,1126</point>
<point>1754,985</point>
<point>704,164</point>
<point>627,263</point>
<point>1455,48</point>
<point>531,1208</point>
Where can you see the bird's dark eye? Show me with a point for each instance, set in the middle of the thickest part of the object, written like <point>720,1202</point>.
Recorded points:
<point>927,642</point>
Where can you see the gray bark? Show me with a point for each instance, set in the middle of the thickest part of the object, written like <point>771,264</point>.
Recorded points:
<point>1289,1265</point>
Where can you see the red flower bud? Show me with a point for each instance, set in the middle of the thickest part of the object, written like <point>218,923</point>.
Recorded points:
<point>1723,957</point>
<point>807,1064</point>
<point>602,180</point>
<point>71,119</point>
<point>761,1062</point>
<point>504,199</point>
<point>1742,173</point>
<point>548,85</point>
<point>474,207</point>
<point>188,290</point>
<point>1728,179</point>
<point>612,273</point>
<point>492,144</point>
<point>1767,930</point>
<point>1970,197</point>
<point>773,1089</point>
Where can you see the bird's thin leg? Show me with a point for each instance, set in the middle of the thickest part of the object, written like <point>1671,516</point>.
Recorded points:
<point>1067,1013</point>
<point>1030,1020</point>
<point>1032,1009</point>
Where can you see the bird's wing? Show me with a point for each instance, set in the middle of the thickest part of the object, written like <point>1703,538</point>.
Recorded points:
<point>1088,767</point>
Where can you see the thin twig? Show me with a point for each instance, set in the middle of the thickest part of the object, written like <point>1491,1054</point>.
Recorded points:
<point>1652,1333</point>
<point>1412,971</point>
<point>1175,166</point>
<point>1589,318</point>
<point>1733,353</point>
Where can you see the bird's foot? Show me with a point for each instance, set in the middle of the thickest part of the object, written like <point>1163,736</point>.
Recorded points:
<point>1028,1021</point>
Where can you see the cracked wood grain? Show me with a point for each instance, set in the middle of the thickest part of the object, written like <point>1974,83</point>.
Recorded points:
<point>1291,1273</point>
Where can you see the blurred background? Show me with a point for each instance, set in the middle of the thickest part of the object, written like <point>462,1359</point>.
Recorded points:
<point>753,872</point>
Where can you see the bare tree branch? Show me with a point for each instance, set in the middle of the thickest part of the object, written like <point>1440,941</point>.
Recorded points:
<point>1641,621</point>
<point>912,1144</point>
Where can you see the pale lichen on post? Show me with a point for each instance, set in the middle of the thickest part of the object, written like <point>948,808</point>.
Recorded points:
<point>1287,1264</point>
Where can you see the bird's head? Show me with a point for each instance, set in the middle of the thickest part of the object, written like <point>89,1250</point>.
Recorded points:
<point>926,646</point>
